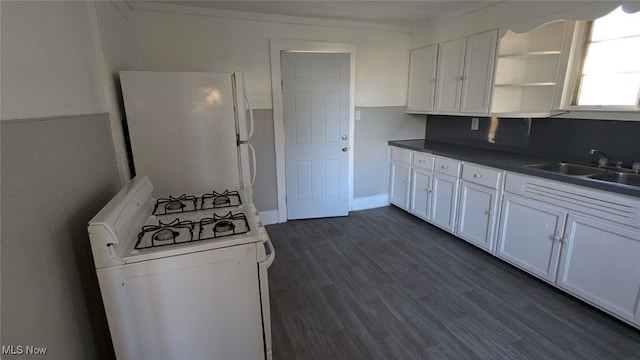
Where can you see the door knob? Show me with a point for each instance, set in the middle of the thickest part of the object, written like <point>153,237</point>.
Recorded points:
<point>345,148</point>
<point>344,137</point>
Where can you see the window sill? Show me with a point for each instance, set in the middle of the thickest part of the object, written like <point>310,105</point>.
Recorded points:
<point>626,114</point>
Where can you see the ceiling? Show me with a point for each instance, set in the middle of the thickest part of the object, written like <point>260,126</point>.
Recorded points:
<point>395,13</point>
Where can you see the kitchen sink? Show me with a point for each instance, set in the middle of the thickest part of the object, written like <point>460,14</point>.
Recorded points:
<point>618,177</point>
<point>568,168</point>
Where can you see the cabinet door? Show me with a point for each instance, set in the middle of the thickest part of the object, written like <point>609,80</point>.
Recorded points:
<point>444,201</point>
<point>422,79</point>
<point>420,192</point>
<point>530,235</point>
<point>600,263</point>
<point>476,219</point>
<point>478,72</point>
<point>399,184</point>
<point>449,79</point>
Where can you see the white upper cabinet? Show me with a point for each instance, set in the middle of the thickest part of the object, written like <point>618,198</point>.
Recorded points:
<point>422,79</point>
<point>465,74</point>
<point>530,70</point>
<point>449,80</point>
<point>479,62</point>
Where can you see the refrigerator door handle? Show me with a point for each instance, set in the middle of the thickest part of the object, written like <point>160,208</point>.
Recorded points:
<point>253,162</point>
<point>246,98</point>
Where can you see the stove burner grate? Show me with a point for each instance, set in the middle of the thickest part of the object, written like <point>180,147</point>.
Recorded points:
<point>216,200</point>
<point>171,205</point>
<point>177,232</point>
<point>188,203</point>
<point>166,234</point>
<point>223,225</point>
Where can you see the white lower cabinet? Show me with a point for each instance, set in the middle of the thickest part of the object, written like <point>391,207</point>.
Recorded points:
<point>477,215</point>
<point>399,184</point>
<point>420,192</point>
<point>444,201</point>
<point>478,208</point>
<point>600,263</point>
<point>530,235</point>
<point>399,176</point>
<point>584,241</point>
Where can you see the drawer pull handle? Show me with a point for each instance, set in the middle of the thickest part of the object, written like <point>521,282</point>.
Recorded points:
<point>489,212</point>
<point>444,167</point>
<point>477,176</point>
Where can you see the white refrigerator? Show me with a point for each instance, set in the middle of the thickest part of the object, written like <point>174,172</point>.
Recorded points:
<point>189,131</point>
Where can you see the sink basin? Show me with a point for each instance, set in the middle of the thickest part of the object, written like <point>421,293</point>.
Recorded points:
<point>618,177</point>
<point>568,168</point>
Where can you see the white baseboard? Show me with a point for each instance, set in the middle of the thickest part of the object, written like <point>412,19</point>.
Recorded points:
<point>269,217</point>
<point>362,203</point>
<point>369,202</point>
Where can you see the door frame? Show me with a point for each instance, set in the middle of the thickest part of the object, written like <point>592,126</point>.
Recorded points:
<point>277,46</point>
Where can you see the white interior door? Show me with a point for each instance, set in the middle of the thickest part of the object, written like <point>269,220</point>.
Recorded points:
<point>315,90</point>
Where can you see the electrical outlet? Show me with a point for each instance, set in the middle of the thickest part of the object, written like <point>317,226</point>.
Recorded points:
<point>475,123</point>
<point>357,114</point>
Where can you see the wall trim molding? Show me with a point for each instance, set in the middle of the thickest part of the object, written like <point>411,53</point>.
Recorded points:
<point>370,202</point>
<point>277,46</point>
<point>269,217</point>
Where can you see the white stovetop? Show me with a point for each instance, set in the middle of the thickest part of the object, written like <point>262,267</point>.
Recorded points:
<point>114,230</point>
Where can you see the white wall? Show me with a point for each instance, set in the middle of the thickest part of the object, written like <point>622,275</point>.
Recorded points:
<point>187,42</point>
<point>174,38</point>
<point>57,171</point>
<point>49,63</point>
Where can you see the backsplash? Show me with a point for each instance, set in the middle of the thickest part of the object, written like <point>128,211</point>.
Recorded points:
<point>553,138</point>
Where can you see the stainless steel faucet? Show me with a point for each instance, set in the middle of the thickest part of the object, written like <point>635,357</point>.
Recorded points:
<point>605,159</point>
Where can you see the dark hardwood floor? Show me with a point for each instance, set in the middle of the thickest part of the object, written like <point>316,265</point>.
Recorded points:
<point>382,284</point>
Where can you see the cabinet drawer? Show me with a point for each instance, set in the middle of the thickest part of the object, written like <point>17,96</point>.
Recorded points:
<point>424,161</point>
<point>400,154</point>
<point>447,166</point>
<point>481,175</point>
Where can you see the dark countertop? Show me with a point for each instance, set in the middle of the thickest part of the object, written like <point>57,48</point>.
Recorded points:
<point>509,161</point>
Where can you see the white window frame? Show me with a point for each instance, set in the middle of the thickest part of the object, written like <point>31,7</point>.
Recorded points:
<point>577,52</point>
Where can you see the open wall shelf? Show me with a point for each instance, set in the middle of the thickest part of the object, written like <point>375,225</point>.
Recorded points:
<point>527,69</point>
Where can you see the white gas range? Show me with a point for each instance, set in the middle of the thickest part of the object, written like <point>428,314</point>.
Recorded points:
<point>183,277</point>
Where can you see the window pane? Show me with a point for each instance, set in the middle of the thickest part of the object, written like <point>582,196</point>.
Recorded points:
<point>610,73</point>
<point>616,25</point>
<point>621,89</point>
<point>613,56</point>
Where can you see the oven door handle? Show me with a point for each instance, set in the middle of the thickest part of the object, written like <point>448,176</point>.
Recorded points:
<point>272,251</point>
